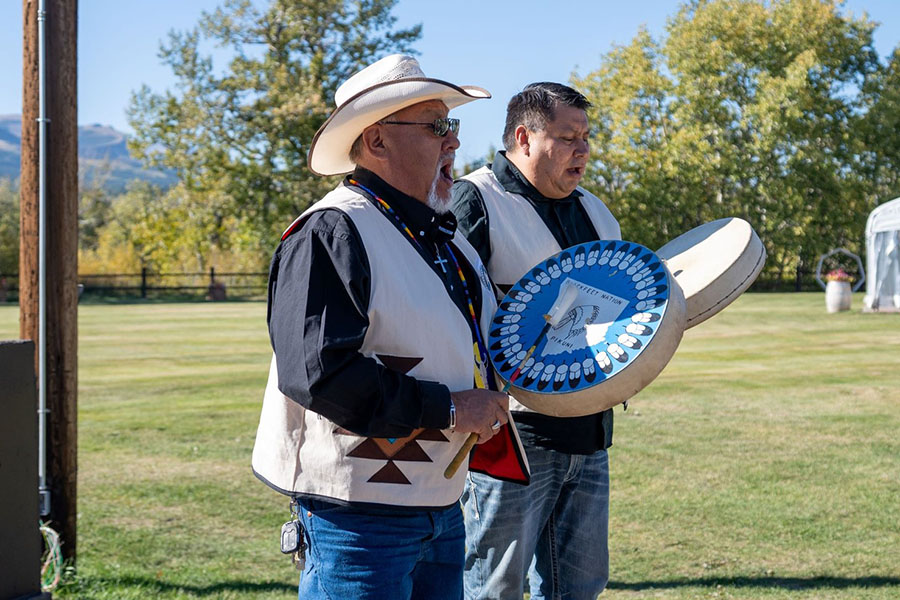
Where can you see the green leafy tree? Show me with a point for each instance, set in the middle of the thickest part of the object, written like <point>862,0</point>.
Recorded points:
<point>163,231</point>
<point>745,108</point>
<point>238,137</point>
<point>468,167</point>
<point>881,95</point>
<point>94,207</point>
<point>124,233</point>
<point>9,227</point>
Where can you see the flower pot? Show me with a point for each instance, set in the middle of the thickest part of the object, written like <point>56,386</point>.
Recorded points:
<point>837,296</point>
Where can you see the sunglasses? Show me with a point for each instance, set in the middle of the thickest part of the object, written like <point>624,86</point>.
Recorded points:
<point>441,127</point>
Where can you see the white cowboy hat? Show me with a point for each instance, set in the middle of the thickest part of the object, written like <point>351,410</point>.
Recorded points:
<point>381,89</point>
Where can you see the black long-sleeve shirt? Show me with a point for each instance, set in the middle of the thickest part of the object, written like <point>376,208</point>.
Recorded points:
<point>319,289</point>
<point>569,223</point>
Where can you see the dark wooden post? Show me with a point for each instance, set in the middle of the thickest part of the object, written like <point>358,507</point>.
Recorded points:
<point>143,282</point>
<point>61,291</point>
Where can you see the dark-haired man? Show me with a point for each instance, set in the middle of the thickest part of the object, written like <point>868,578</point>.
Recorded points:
<point>518,211</point>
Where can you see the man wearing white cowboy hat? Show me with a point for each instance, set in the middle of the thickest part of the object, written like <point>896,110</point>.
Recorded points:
<point>377,315</point>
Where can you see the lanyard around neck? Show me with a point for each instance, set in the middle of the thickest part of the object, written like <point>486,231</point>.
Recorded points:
<point>480,350</point>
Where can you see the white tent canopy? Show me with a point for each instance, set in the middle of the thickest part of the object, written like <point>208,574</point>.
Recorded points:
<point>883,258</point>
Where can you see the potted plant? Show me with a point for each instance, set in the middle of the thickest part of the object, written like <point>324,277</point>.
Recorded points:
<point>836,282</point>
<point>837,290</point>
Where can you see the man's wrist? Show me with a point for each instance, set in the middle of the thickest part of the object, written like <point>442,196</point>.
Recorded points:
<point>452,415</point>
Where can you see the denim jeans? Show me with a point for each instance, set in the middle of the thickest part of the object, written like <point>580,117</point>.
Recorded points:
<point>554,531</point>
<point>381,555</point>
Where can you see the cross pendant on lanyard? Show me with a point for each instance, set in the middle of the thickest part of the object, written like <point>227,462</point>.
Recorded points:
<point>440,261</point>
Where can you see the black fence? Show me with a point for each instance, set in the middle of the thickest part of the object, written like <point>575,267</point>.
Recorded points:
<point>800,282</point>
<point>212,285</point>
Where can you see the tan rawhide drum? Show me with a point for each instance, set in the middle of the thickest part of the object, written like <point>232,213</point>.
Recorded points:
<point>714,264</point>
<point>613,339</point>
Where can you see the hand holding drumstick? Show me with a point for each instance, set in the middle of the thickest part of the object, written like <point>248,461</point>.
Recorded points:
<point>480,412</point>
<point>568,293</point>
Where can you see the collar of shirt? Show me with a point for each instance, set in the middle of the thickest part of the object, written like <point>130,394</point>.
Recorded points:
<point>513,181</point>
<point>421,219</point>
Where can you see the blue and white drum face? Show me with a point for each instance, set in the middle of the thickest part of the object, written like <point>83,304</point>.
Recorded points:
<point>623,294</point>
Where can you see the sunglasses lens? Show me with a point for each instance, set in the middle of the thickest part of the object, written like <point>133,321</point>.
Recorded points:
<point>443,126</point>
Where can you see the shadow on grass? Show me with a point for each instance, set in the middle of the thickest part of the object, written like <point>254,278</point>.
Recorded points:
<point>157,586</point>
<point>784,583</point>
<point>150,586</point>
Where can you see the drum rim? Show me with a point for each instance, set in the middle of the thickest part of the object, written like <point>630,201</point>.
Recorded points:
<point>747,255</point>
<point>732,295</point>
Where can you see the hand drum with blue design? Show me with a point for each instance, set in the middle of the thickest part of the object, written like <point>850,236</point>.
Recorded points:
<point>606,344</point>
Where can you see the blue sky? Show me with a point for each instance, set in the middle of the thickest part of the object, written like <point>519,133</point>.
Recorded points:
<point>498,44</point>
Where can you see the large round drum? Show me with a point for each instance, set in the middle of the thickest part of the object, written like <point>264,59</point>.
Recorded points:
<point>714,264</point>
<point>614,339</point>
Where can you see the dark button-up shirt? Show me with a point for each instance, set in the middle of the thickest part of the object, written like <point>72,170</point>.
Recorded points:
<point>319,290</point>
<point>570,224</point>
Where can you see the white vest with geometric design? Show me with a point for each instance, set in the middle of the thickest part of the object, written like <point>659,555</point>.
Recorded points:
<point>412,323</point>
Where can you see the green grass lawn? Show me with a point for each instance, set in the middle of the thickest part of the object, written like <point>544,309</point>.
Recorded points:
<point>763,463</point>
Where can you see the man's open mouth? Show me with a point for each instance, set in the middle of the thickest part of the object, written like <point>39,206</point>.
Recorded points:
<point>446,171</point>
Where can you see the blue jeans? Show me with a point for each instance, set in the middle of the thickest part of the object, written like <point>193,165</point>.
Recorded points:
<point>553,530</point>
<point>371,554</point>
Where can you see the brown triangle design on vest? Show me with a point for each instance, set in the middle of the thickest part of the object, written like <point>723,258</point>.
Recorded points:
<point>405,449</point>
<point>401,364</point>
<point>412,453</point>
<point>429,435</point>
<point>391,448</point>
<point>432,435</point>
<point>368,449</point>
<point>390,473</point>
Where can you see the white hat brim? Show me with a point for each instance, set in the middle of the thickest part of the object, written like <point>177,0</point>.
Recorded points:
<point>329,153</point>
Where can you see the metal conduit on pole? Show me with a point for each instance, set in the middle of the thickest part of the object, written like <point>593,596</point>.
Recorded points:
<point>43,489</point>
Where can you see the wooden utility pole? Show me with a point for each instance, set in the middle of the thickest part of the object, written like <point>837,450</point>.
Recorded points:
<point>61,244</point>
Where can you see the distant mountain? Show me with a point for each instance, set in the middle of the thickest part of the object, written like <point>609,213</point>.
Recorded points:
<point>102,154</point>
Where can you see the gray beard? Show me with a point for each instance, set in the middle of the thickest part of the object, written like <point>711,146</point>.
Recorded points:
<point>439,205</point>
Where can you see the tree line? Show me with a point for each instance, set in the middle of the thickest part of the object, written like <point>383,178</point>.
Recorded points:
<point>780,112</point>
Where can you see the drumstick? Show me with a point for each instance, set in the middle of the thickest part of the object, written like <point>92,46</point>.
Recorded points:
<point>564,300</point>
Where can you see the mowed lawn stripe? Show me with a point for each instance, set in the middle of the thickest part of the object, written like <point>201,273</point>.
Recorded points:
<point>764,462</point>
